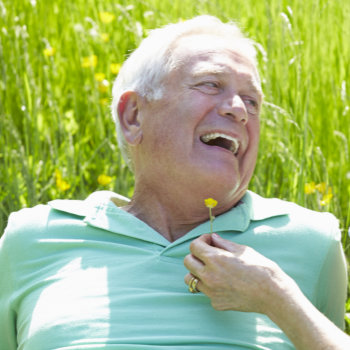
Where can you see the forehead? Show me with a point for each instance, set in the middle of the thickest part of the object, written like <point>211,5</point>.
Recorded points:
<point>198,55</point>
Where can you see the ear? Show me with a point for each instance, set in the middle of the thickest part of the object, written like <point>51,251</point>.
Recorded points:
<point>128,114</point>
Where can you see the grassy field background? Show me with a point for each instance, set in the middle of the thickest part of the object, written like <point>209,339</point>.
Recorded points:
<point>59,59</point>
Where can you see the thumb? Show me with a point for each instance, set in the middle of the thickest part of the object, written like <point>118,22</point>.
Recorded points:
<point>224,244</point>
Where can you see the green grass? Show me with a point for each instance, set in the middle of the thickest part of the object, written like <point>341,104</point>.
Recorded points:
<point>54,117</point>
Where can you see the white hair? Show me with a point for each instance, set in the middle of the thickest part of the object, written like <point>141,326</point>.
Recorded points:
<point>147,66</point>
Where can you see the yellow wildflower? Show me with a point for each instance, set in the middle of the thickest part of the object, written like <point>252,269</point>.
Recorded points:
<point>115,68</point>
<point>60,183</point>
<point>310,187</point>
<point>49,51</point>
<point>326,199</point>
<point>63,185</point>
<point>321,187</point>
<point>89,61</point>
<point>104,101</point>
<point>104,37</point>
<point>104,179</point>
<point>58,175</point>
<point>210,203</point>
<point>99,76</point>
<point>106,17</point>
<point>103,86</point>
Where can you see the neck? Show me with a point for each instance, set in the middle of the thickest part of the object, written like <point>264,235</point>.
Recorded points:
<point>172,212</point>
<point>168,219</point>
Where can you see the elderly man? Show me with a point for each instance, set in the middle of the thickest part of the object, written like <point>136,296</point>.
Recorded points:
<point>108,273</point>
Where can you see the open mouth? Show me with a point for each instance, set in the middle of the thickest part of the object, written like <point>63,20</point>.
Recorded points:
<point>221,140</point>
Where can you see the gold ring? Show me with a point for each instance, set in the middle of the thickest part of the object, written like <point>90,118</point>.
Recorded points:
<point>192,286</point>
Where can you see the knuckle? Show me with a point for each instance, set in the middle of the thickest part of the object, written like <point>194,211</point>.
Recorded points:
<point>187,259</point>
<point>210,256</point>
<point>193,245</point>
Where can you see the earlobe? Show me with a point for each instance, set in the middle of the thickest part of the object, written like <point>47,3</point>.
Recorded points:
<point>128,114</point>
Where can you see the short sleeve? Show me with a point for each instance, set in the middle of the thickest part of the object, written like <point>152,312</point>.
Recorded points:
<point>8,339</point>
<point>332,283</point>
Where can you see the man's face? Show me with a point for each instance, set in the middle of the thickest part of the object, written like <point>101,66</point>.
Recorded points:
<point>203,133</point>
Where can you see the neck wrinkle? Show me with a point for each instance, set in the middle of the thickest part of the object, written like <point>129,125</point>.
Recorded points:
<point>168,219</point>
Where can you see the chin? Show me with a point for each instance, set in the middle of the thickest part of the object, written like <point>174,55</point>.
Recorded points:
<point>221,184</point>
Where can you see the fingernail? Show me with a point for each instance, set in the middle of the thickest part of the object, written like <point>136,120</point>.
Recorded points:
<point>215,235</point>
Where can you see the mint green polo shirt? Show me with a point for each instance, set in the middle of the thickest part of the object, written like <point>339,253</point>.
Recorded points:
<point>88,275</point>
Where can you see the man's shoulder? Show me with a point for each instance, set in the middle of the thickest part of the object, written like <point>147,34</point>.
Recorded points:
<point>57,213</point>
<point>28,218</point>
<point>263,204</point>
<point>298,217</point>
<point>22,228</point>
<point>84,207</point>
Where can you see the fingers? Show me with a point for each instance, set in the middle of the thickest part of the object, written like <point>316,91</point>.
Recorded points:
<point>193,263</point>
<point>207,245</point>
<point>205,238</point>
<point>221,243</point>
<point>206,254</point>
<point>194,283</point>
<point>188,278</point>
<point>201,247</point>
<point>202,252</point>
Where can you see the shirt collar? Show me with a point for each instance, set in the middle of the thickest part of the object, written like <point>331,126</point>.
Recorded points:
<point>100,210</point>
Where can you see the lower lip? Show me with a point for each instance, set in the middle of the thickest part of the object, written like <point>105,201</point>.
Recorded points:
<point>221,149</point>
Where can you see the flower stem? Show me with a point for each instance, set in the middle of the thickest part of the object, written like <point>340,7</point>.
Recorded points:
<point>211,221</point>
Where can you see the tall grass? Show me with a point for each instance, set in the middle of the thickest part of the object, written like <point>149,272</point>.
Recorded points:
<point>54,114</point>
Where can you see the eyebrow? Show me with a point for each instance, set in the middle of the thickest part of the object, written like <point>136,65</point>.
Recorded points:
<point>218,71</point>
<point>257,89</point>
<point>211,71</point>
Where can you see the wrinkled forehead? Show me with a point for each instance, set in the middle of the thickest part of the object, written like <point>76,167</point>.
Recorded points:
<point>211,54</point>
<point>205,42</point>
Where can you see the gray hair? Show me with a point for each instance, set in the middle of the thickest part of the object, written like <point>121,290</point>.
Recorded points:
<point>145,69</point>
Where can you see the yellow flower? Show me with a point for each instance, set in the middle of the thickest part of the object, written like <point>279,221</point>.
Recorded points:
<point>104,37</point>
<point>99,76</point>
<point>89,61</point>
<point>49,51</point>
<point>104,101</point>
<point>326,199</point>
<point>115,68</point>
<point>309,187</point>
<point>210,203</point>
<point>321,187</point>
<point>104,179</point>
<point>106,17</point>
<point>58,174</point>
<point>103,86</point>
<point>61,184</point>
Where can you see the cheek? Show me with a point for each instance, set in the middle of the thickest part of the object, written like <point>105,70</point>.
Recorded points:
<point>253,128</point>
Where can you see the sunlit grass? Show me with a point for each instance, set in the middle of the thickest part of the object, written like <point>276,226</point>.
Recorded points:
<point>59,59</point>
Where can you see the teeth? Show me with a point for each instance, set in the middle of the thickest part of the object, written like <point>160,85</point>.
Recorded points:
<point>235,144</point>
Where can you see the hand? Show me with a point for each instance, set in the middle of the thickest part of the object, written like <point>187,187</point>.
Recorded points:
<point>236,277</point>
<point>233,276</point>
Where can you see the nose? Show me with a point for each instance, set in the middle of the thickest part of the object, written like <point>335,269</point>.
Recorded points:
<point>234,107</point>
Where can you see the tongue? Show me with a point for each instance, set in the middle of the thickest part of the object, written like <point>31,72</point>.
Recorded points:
<point>220,142</point>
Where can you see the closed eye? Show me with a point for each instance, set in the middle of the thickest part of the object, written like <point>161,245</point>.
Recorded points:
<point>251,104</point>
<point>209,87</point>
<point>210,84</point>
